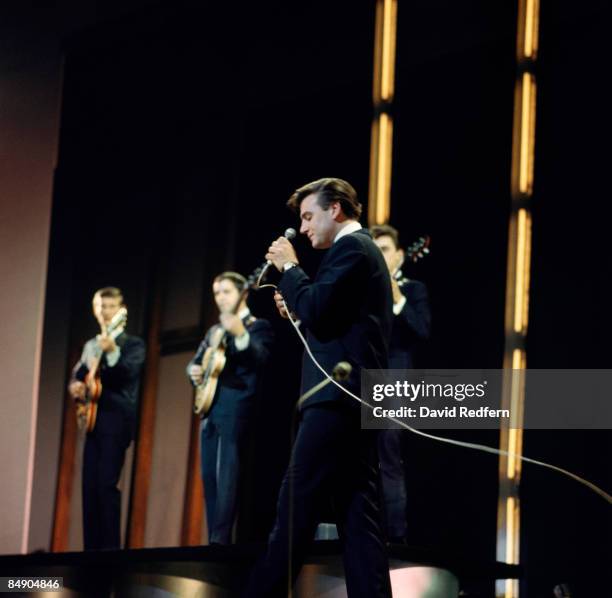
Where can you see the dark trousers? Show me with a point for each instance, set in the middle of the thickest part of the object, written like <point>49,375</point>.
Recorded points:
<point>102,463</point>
<point>393,482</point>
<point>332,460</point>
<point>221,443</point>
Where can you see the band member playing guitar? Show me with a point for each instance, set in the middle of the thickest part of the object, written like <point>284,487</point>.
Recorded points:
<point>104,385</point>
<point>226,373</point>
<point>411,326</point>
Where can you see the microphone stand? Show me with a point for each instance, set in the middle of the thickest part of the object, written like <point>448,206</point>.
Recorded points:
<point>341,372</point>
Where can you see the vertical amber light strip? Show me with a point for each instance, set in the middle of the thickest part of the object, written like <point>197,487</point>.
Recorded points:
<point>532,11</point>
<point>522,272</point>
<point>527,132</point>
<point>517,291</point>
<point>513,533</point>
<point>389,16</point>
<point>381,151</point>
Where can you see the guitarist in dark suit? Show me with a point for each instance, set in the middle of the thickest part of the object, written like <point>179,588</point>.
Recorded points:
<point>411,326</point>
<point>247,348</point>
<point>121,358</point>
<point>347,311</point>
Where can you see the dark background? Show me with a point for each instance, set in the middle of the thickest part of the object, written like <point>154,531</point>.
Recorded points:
<point>186,126</point>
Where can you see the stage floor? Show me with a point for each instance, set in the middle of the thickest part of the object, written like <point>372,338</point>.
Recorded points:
<point>220,572</point>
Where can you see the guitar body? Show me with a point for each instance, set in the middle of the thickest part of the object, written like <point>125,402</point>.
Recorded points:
<point>214,358</point>
<point>87,406</point>
<point>87,409</point>
<point>213,363</point>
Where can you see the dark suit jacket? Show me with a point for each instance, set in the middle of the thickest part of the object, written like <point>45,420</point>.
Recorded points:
<point>238,382</point>
<point>411,326</point>
<point>347,311</point>
<point>120,384</point>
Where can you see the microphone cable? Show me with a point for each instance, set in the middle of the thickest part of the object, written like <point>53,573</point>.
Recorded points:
<point>470,445</point>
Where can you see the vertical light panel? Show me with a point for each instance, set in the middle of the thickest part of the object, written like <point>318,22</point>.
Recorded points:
<point>518,277</point>
<point>381,150</point>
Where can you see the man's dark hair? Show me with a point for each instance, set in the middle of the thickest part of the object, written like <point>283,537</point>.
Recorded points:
<point>113,292</point>
<point>238,280</point>
<point>329,191</point>
<point>385,230</point>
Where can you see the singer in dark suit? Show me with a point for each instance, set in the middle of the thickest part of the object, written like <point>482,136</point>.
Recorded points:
<point>347,311</point>
<point>411,327</point>
<point>224,428</point>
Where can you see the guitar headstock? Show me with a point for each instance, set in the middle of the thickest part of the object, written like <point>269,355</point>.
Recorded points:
<point>419,249</point>
<point>251,282</point>
<point>119,320</point>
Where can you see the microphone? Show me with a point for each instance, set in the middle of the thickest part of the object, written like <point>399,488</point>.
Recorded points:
<point>288,234</point>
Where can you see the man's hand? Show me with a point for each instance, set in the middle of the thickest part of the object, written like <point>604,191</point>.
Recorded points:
<point>233,324</point>
<point>195,373</point>
<point>397,294</point>
<point>281,252</point>
<point>278,299</point>
<point>107,344</point>
<point>76,389</point>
